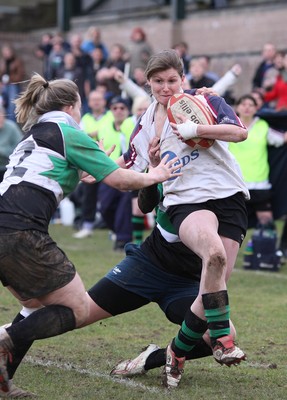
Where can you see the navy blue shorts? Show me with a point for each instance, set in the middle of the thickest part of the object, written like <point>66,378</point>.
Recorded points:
<point>137,274</point>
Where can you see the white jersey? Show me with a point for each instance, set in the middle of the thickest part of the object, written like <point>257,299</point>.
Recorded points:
<point>208,174</point>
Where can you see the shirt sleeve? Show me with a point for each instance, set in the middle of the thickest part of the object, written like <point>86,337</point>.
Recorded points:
<point>85,154</point>
<point>135,157</point>
<point>222,112</point>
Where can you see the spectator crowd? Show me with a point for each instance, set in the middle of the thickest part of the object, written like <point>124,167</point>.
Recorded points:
<point>114,94</point>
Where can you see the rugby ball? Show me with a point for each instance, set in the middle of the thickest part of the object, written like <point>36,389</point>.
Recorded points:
<point>194,109</point>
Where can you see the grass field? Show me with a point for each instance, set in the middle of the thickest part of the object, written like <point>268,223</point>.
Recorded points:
<point>77,364</point>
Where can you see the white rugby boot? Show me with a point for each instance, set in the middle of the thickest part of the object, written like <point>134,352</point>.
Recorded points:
<point>225,351</point>
<point>135,366</point>
<point>173,369</point>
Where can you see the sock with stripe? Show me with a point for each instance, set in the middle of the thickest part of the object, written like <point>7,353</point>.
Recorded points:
<point>217,312</point>
<point>158,357</point>
<point>190,333</point>
<point>138,227</point>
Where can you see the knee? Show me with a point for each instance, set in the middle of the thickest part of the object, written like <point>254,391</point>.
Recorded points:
<point>217,261</point>
<point>177,310</point>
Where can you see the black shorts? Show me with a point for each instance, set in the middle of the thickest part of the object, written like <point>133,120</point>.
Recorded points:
<point>32,264</point>
<point>231,214</point>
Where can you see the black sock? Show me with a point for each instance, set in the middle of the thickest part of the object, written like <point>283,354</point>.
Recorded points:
<point>155,359</point>
<point>191,331</point>
<point>46,322</point>
<point>158,358</point>
<point>18,353</point>
<point>200,350</point>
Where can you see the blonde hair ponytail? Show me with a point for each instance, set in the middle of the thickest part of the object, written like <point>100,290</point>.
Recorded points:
<point>42,96</point>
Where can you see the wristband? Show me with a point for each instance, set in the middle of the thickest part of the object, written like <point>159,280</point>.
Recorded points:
<point>187,130</point>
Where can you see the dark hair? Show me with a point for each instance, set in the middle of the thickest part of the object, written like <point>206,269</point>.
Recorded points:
<point>162,61</point>
<point>118,99</point>
<point>258,92</point>
<point>246,97</point>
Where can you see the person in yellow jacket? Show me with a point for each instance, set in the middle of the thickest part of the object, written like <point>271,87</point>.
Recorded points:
<point>98,115</point>
<point>91,123</point>
<point>252,156</point>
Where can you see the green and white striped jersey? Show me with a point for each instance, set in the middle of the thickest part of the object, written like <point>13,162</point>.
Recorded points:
<point>44,168</point>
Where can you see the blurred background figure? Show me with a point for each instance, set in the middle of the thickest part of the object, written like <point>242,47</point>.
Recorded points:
<point>252,156</point>
<point>12,73</point>
<point>130,88</point>
<point>85,196</point>
<point>139,107</point>
<point>84,61</point>
<point>259,99</point>
<point>182,50</point>
<point>56,56</point>
<point>223,86</point>
<point>138,50</point>
<point>278,92</point>
<point>71,70</point>
<point>92,40</point>
<point>272,73</point>
<point>10,136</point>
<point>115,206</point>
<point>43,50</point>
<point>197,77</point>
<point>205,61</point>
<point>98,62</point>
<point>139,79</point>
<point>268,55</point>
<point>106,74</point>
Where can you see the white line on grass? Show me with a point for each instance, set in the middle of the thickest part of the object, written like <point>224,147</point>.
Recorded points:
<point>71,367</point>
<point>130,382</point>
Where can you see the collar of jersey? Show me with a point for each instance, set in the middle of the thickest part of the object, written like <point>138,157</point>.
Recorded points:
<point>59,117</point>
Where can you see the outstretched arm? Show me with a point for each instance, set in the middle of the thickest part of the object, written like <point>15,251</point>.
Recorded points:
<point>125,179</point>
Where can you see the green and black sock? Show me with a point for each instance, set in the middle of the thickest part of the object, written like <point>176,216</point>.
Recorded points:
<point>138,227</point>
<point>158,357</point>
<point>191,331</point>
<point>217,312</point>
